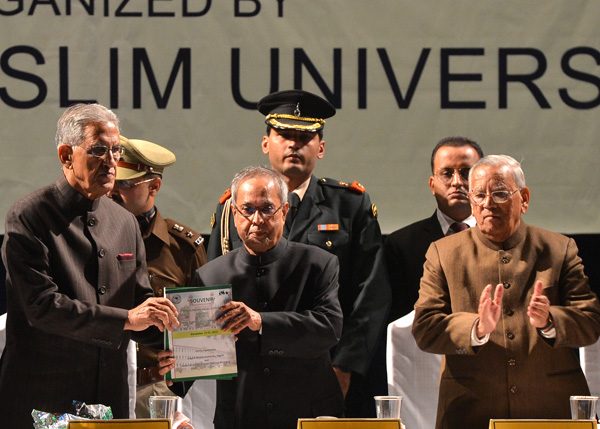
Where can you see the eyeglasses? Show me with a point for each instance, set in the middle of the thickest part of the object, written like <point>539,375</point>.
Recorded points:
<point>128,184</point>
<point>499,197</point>
<point>100,150</point>
<point>445,175</point>
<point>266,212</point>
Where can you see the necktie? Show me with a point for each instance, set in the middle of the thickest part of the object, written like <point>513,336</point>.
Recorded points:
<point>457,227</point>
<point>294,201</point>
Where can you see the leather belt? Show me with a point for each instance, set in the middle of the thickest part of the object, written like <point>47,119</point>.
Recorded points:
<point>148,375</point>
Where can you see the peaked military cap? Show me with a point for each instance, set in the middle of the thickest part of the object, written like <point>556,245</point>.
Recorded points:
<point>141,157</point>
<point>295,110</point>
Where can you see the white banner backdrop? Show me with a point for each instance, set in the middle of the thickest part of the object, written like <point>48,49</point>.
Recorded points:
<point>519,77</point>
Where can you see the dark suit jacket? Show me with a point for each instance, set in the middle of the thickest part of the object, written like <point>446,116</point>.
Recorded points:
<point>364,291</point>
<point>74,268</point>
<point>284,373</point>
<point>517,374</point>
<point>404,252</point>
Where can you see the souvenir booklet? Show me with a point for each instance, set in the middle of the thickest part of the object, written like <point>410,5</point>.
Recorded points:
<point>201,348</point>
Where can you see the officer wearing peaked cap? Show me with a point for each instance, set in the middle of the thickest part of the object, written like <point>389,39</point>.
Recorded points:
<point>173,251</point>
<point>336,216</point>
<point>141,157</point>
<point>295,110</point>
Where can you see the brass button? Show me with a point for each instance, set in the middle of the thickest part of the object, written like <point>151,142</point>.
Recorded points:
<point>512,362</point>
<point>328,243</point>
<point>513,389</point>
<point>510,336</point>
<point>505,259</point>
<point>506,285</point>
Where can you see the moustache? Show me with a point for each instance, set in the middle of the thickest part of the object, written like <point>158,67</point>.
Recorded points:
<point>461,191</point>
<point>295,155</point>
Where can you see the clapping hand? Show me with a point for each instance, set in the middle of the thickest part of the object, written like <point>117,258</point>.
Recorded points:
<point>489,310</point>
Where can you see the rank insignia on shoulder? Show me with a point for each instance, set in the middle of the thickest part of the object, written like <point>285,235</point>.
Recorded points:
<point>178,227</point>
<point>213,220</point>
<point>354,186</point>
<point>199,241</point>
<point>357,187</point>
<point>225,196</point>
<point>374,210</point>
<point>189,234</point>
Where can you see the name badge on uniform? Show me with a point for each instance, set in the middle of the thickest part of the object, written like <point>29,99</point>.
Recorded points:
<point>329,227</point>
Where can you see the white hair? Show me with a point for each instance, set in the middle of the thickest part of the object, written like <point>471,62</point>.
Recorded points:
<point>256,171</point>
<point>70,128</point>
<point>501,161</point>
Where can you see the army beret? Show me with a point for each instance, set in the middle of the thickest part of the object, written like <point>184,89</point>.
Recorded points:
<point>141,157</point>
<point>295,110</point>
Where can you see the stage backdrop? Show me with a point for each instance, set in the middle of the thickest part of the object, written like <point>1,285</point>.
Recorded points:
<point>520,77</point>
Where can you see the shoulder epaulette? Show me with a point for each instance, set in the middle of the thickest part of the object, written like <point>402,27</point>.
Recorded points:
<point>225,196</point>
<point>354,186</point>
<point>182,231</point>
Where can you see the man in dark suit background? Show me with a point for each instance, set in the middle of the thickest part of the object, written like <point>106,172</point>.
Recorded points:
<point>405,249</point>
<point>76,282</point>
<point>337,217</point>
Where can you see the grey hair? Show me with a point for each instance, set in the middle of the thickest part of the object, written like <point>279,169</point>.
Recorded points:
<point>501,161</point>
<point>70,129</point>
<point>256,171</point>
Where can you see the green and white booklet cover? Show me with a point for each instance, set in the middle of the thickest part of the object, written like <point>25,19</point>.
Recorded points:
<point>201,348</point>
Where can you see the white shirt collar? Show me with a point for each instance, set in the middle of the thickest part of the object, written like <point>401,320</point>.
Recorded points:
<point>446,221</point>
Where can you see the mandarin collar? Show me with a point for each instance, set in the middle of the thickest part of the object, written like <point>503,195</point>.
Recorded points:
<point>70,198</point>
<point>511,242</point>
<point>266,258</point>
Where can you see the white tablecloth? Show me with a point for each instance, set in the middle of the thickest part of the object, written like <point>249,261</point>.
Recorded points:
<point>412,374</point>
<point>199,404</point>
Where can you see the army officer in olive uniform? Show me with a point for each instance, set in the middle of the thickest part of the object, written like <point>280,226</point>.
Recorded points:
<point>173,251</point>
<point>336,216</point>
